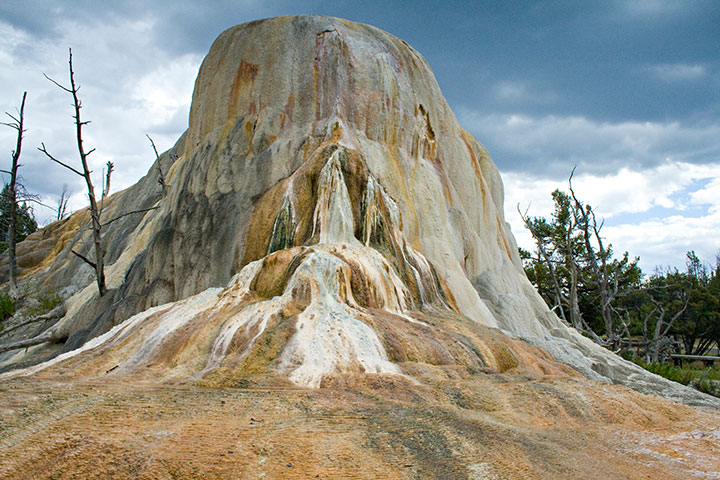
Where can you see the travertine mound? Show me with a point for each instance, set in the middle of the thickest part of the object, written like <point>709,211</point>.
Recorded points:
<point>326,216</point>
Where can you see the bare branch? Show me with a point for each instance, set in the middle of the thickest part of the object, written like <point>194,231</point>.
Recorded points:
<point>44,337</point>
<point>546,258</point>
<point>44,150</point>
<point>33,200</point>
<point>62,203</point>
<point>129,213</point>
<point>572,173</point>
<point>110,169</point>
<point>161,176</point>
<point>17,121</point>
<point>671,322</point>
<point>57,312</point>
<point>58,84</point>
<point>85,259</point>
<point>153,145</point>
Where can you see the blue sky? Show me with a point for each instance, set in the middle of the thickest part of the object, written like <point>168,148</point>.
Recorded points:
<point>629,91</point>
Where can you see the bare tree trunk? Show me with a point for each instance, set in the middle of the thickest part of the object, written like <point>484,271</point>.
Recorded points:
<point>654,349</point>
<point>99,263</point>
<point>607,287</point>
<point>12,226</point>
<point>57,312</point>
<point>161,175</point>
<point>575,315</point>
<point>44,337</point>
<point>548,263</point>
<point>660,332</point>
<point>62,203</point>
<point>556,285</point>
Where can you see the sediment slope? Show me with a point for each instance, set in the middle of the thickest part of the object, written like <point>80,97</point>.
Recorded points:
<point>326,215</point>
<point>328,290</point>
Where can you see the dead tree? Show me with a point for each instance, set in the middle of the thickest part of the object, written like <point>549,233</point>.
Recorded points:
<point>607,275</point>
<point>560,298</point>
<point>62,202</point>
<point>96,211</point>
<point>660,339</point>
<point>606,282</point>
<point>55,313</point>
<point>161,176</point>
<point>98,265</point>
<point>556,252</point>
<point>17,124</point>
<point>107,172</point>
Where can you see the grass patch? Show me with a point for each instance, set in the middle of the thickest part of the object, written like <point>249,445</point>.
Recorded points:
<point>7,306</point>
<point>45,302</point>
<point>703,379</point>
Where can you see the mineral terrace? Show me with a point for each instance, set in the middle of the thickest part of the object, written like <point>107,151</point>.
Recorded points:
<point>329,289</point>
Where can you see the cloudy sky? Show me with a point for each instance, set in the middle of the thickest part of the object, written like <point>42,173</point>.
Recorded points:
<point>627,91</point>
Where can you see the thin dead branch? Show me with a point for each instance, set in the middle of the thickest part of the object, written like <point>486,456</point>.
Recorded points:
<point>142,210</point>
<point>95,210</point>
<point>13,200</point>
<point>63,202</point>
<point>85,259</point>
<point>161,176</point>
<point>57,312</point>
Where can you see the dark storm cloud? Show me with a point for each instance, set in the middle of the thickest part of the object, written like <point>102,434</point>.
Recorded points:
<point>594,56</point>
<point>179,27</point>
<point>544,85</point>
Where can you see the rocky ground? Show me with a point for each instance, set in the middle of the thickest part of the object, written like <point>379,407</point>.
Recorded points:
<point>488,426</point>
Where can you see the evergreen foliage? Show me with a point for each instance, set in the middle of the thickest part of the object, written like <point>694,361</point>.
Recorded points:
<point>7,306</point>
<point>609,299</point>
<point>26,223</point>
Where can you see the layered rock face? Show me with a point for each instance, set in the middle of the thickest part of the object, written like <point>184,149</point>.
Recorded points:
<point>326,216</point>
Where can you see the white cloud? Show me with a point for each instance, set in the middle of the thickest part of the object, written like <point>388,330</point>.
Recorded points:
<point>515,92</point>
<point>678,72</point>
<point>661,235</point>
<point>664,241</point>
<point>129,87</point>
<point>510,91</point>
<point>708,195</point>
<point>557,143</point>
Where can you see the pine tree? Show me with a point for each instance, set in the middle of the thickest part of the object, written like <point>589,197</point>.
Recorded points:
<point>25,220</point>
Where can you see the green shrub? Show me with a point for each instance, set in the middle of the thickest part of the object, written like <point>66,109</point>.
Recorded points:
<point>682,375</point>
<point>46,302</point>
<point>704,379</point>
<point>49,300</point>
<point>711,387</point>
<point>7,306</point>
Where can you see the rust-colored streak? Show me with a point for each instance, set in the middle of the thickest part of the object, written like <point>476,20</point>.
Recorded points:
<point>260,225</point>
<point>502,236</point>
<point>440,169</point>
<point>428,126</point>
<point>287,112</point>
<point>250,130</point>
<point>242,85</point>
<point>335,133</point>
<point>473,157</point>
<point>476,167</point>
